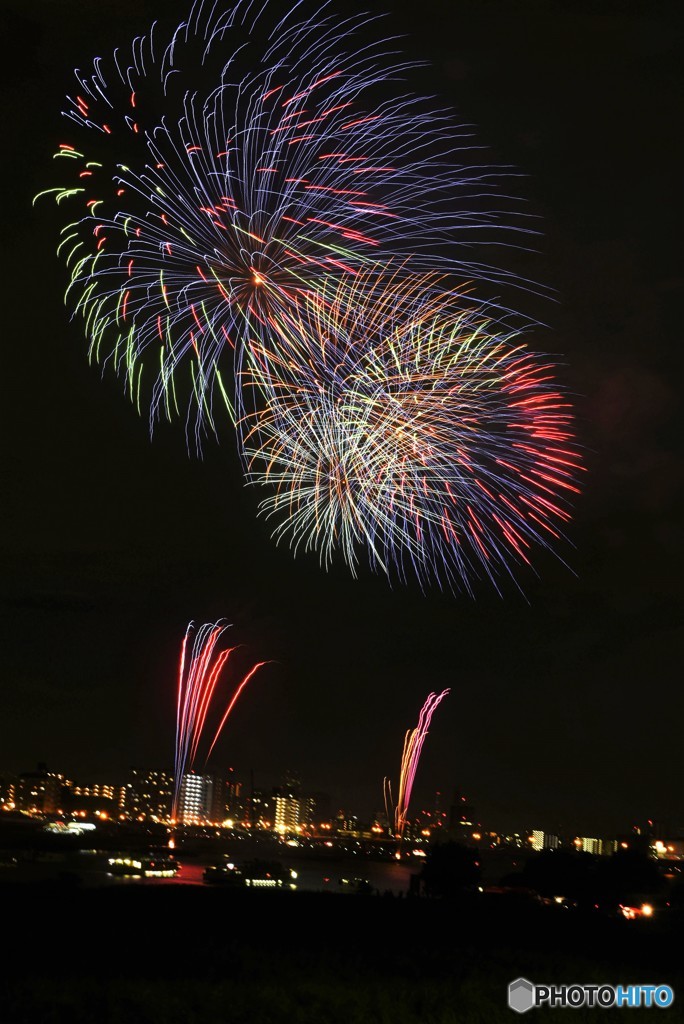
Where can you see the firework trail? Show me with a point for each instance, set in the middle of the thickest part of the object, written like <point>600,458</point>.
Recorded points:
<point>413,745</point>
<point>395,420</point>
<point>201,663</point>
<point>215,178</point>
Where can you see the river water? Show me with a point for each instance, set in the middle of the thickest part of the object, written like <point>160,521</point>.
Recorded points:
<point>343,875</point>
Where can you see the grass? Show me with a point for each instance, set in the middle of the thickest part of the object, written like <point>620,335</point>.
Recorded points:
<point>163,956</point>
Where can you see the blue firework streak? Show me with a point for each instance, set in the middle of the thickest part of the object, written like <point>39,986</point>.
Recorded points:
<point>216,178</point>
<point>393,422</point>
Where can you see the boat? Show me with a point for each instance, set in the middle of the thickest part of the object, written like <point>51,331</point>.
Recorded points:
<point>142,865</point>
<point>261,874</point>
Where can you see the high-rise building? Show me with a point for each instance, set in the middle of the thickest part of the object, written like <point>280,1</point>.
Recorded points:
<point>99,798</point>
<point>217,803</point>
<point>148,795</point>
<point>307,810</point>
<point>196,799</point>
<point>287,813</point>
<point>260,809</point>
<point>589,845</point>
<point>346,824</point>
<point>537,842</point>
<point>114,794</point>
<point>40,792</point>
<point>234,800</point>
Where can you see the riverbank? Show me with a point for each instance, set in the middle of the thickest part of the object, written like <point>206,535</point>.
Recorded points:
<point>152,954</point>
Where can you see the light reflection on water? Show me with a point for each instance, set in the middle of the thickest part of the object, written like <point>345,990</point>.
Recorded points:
<point>336,874</point>
<point>384,876</point>
<point>325,875</point>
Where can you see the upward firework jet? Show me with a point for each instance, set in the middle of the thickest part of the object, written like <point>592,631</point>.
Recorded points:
<point>214,177</point>
<point>201,663</point>
<point>413,745</point>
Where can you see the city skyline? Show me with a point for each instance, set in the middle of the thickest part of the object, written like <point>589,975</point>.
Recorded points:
<point>564,699</point>
<point>244,786</point>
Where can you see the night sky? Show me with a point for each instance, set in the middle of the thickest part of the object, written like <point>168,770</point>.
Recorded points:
<point>566,703</point>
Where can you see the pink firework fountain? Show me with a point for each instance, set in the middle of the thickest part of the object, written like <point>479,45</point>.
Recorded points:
<point>202,662</point>
<point>413,745</point>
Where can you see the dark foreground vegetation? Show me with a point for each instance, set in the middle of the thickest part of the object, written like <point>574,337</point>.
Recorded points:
<point>149,954</point>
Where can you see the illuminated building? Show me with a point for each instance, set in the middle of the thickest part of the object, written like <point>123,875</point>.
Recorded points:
<point>537,840</point>
<point>203,798</point>
<point>307,810</point>
<point>100,798</point>
<point>288,816</point>
<point>148,795</point>
<point>40,792</point>
<point>85,803</point>
<point>589,845</point>
<point>287,813</point>
<point>196,799</point>
<point>346,824</point>
<point>260,809</point>
<point>8,792</point>
<point>217,808</point>
<point>233,801</point>
<point>112,793</point>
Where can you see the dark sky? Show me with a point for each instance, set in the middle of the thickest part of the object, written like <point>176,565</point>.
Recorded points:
<point>566,709</point>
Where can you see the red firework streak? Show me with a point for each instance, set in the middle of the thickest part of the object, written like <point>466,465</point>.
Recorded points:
<point>199,671</point>
<point>413,745</point>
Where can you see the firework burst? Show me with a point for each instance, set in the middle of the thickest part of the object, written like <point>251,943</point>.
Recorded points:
<point>394,419</point>
<point>213,179</point>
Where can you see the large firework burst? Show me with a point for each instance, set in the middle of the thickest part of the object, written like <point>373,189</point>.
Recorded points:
<point>213,178</point>
<point>392,418</point>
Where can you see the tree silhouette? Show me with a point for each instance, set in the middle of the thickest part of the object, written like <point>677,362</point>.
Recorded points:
<point>450,869</point>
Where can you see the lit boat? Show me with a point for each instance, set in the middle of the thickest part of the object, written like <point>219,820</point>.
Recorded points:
<point>143,866</point>
<point>262,874</point>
